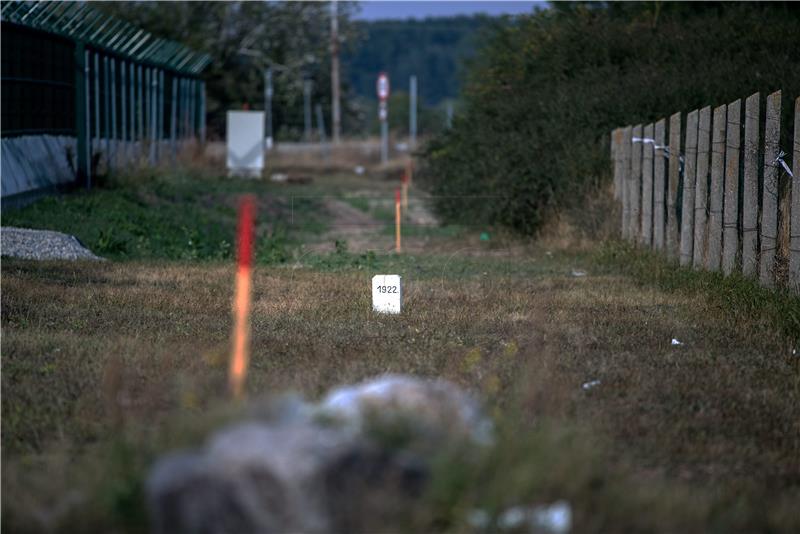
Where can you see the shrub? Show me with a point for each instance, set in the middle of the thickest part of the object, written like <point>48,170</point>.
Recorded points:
<point>545,91</point>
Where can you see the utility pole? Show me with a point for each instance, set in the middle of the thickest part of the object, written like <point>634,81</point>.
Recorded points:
<point>307,109</point>
<point>412,115</point>
<point>321,124</point>
<point>335,109</point>
<point>268,106</point>
<point>382,88</point>
<point>449,118</point>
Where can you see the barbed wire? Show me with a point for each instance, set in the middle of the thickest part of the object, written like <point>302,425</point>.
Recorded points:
<point>779,159</point>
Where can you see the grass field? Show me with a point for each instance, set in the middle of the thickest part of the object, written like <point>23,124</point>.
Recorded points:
<point>106,365</point>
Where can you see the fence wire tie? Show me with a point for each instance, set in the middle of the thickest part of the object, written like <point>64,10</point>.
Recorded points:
<point>780,160</point>
<point>644,140</point>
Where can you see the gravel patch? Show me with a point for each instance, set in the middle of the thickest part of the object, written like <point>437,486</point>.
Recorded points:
<point>42,245</point>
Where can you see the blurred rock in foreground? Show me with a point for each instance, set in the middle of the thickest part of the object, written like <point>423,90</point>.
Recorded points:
<point>355,462</point>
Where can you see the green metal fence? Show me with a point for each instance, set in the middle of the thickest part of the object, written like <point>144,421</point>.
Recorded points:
<point>121,92</point>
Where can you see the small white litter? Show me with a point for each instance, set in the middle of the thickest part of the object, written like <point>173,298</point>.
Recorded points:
<point>279,177</point>
<point>511,519</point>
<point>359,170</point>
<point>553,519</point>
<point>578,273</point>
<point>556,518</point>
<point>590,384</point>
<point>676,342</point>
<point>478,519</point>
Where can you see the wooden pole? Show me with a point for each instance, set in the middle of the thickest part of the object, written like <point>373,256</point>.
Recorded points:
<point>701,189</point>
<point>397,215</point>
<point>646,237</point>
<point>635,185</point>
<point>689,178</point>
<point>769,195</point>
<point>750,186</point>
<point>794,233</point>
<point>730,215</point>
<point>626,170</point>
<point>659,164</point>
<point>714,255</point>
<point>674,177</point>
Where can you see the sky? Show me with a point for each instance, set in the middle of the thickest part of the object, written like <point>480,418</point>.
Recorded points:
<point>373,10</point>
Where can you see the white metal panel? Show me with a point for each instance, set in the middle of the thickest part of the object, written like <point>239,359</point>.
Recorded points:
<point>245,142</point>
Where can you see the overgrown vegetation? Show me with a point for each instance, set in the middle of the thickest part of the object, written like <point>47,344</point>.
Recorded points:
<point>703,441</point>
<point>544,94</point>
<point>743,300</point>
<point>107,366</point>
<point>184,215</point>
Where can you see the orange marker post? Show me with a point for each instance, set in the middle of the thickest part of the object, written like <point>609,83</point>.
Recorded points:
<point>397,220</point>
<point>241,304</point>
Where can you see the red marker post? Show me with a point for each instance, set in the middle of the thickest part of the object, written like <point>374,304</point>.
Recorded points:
<point>241,305</point>
<point>397,220</point>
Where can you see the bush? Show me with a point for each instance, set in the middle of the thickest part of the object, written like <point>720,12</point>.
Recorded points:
<point>545,92</point>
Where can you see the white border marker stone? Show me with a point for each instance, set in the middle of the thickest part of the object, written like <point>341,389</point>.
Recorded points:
<point>387,293</point>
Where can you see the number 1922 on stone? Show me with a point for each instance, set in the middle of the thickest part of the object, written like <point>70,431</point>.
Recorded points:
<point>387,293</point>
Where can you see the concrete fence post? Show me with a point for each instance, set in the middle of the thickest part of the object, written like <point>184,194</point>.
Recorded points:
<point>730,217</point>
<point>646,237</point>
<point>689,178</point>
<point>701,187</point>
<point>750,186</point>
<point>794,233</point>
<point>674,177</point>
<point>659,167</point>
<point>715,193</point>
<point>626,171</point>
<point>635,185</point>
<point>769,206</point>
<point>616,148</point>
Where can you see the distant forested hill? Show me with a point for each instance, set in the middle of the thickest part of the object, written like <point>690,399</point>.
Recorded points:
<point>434,49</point>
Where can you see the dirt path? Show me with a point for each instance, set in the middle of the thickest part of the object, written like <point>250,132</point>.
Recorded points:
<point>349,224</point>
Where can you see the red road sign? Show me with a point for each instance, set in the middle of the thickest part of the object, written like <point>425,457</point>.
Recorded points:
<point>383,86</point>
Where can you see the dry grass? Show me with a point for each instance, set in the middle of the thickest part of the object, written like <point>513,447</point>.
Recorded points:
<point>104,365</point>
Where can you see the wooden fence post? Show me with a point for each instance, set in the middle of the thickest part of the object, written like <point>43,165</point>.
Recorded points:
<point>626,171</point>
<point>769,203</point>
<point>794,233</point>
<point>647,187</point>
<point>750,186</point>
<point>730,218</point>
<point>701,190</point>
<point>658,185</point>
<point>689,178</point>
<point>635,184</point>
<point>714,254</point>
<point>674,177</point>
